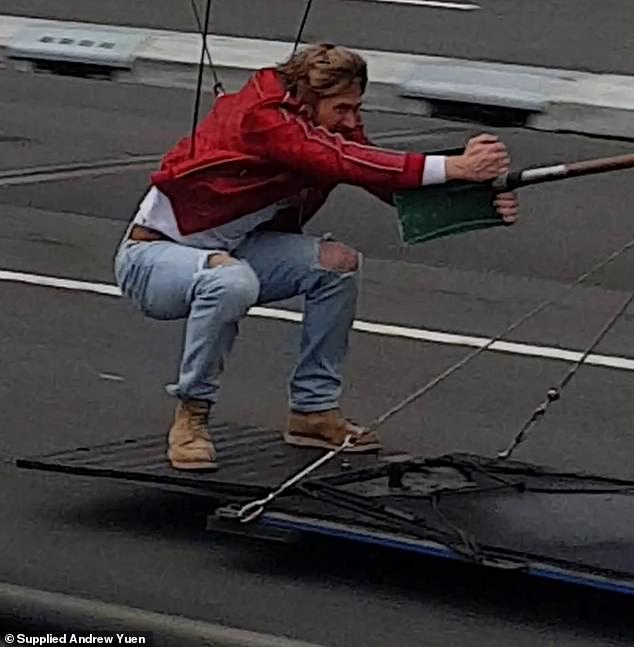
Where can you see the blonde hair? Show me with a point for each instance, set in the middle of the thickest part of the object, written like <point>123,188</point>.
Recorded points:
<point>321,70</point>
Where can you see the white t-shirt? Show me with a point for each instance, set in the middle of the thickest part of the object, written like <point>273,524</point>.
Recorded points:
<point>155,212</point>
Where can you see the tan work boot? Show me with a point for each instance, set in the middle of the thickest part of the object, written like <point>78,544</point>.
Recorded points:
<point>327,430</point>
<point>189,443</point>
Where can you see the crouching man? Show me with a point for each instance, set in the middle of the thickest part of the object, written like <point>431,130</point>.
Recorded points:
<point>220,231</point>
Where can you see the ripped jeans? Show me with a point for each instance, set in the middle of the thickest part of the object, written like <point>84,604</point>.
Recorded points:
<point>169,281</point>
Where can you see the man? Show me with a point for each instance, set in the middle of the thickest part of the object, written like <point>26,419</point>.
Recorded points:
<point>220,231</point>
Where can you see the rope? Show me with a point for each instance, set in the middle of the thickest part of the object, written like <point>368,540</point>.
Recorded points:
<point>378,421</point>
<point>554,393</point>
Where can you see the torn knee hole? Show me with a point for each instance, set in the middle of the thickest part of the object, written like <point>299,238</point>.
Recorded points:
<point>220,258</point>
<point>338,257</point>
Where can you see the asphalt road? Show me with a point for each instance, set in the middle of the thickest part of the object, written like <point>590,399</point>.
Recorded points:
<point>133,545</point>
<point>584,34</point>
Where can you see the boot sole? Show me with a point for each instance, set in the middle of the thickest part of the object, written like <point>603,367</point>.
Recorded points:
<point>298,441</point>
<point>195,467</point>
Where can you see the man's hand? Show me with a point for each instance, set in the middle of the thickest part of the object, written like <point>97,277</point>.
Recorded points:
<point>507,206</point>
<point>485,158</point>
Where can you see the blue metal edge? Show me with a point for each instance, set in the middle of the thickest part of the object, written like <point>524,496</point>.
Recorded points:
<point>311,525</point>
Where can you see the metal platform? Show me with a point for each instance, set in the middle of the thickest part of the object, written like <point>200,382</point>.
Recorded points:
<point>505,514</point>
<point>253,461</point>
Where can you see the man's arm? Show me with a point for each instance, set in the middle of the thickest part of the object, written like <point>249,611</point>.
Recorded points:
<point>484,158</point>
<point>271,131</point>
<point>292,141</point>
<point>434,170</point>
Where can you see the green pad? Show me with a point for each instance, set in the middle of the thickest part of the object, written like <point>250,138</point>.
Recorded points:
<point>445,209</point>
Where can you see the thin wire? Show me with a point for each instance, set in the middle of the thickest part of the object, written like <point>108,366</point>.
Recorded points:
<point>554,393</point>
<point>218,88</point>
<point>463,362</point>
<point>309,4</point>
<point>201,67</point>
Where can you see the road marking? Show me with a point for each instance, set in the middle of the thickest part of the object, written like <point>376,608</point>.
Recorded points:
<point>111,376</point>
<point>56,172</point>
<point>434,4</point>
<point>374,328</point>
<point>55,282</point>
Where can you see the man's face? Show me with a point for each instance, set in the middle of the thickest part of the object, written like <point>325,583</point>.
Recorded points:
<point>340,112</point>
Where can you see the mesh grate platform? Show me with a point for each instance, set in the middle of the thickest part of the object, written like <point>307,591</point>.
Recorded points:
<point>252,461</point>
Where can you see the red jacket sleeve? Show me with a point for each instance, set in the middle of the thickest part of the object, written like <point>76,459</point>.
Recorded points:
<point>386,195</point>
<point>275,133</point>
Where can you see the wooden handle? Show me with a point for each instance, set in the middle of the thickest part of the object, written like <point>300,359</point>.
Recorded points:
<point>541,174</point>
<point>604,165</point>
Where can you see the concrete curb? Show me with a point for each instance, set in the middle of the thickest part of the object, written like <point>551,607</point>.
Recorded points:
<point>547,99</point>
<point>21,608</point>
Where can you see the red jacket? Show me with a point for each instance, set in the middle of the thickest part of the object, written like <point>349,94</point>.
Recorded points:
<point>255,147</point>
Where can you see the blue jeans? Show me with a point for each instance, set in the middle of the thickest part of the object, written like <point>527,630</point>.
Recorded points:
<point>169,281</point>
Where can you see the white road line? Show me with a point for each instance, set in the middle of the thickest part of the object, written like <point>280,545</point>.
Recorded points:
<point>434,4</point>
<point>65,284</point>
<point>387,330</point>
<point>112,377</point>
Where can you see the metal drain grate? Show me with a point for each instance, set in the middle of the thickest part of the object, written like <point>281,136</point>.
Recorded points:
<point>88,48</point>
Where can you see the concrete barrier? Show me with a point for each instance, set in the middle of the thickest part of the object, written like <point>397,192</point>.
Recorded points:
<point>549,99</point>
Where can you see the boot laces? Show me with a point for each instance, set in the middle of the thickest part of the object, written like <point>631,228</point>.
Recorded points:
<point>198,416</point>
